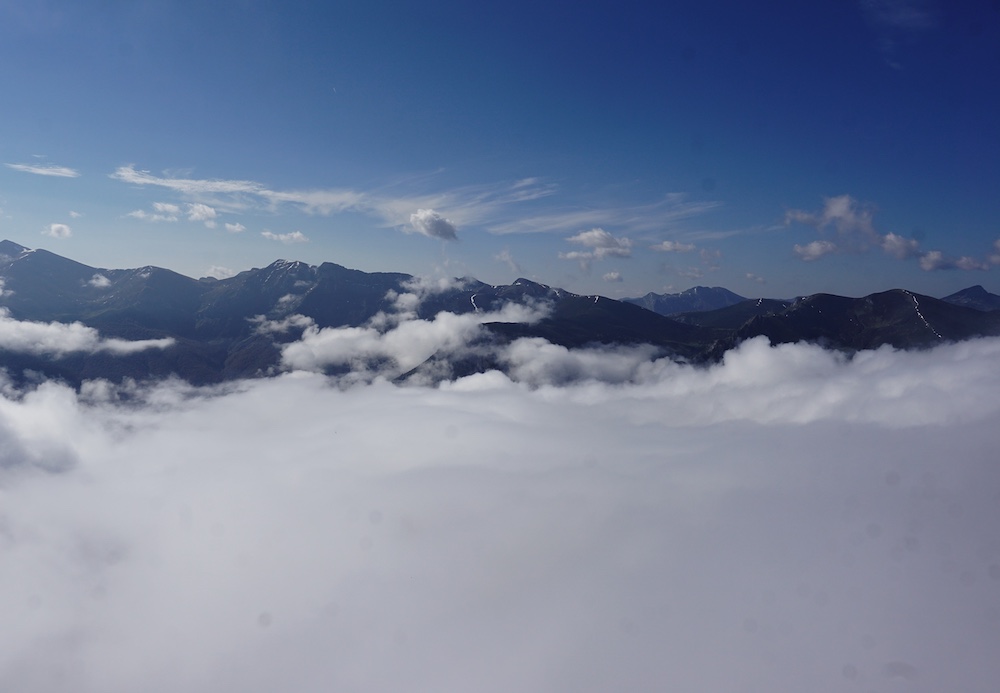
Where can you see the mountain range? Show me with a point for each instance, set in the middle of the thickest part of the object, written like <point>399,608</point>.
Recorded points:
<point>207,330</point>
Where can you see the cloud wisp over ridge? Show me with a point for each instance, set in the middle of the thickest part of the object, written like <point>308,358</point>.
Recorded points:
<point>59,339</point>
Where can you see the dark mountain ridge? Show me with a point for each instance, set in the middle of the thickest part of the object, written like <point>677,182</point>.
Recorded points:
<point>214,323</point>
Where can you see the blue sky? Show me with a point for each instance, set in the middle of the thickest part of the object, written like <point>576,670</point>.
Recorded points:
<point>775,148</point>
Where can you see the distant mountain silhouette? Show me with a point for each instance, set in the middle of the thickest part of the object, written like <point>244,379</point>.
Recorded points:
<point>698,298</point>
<point>214,322</point>
<point>974,297</point>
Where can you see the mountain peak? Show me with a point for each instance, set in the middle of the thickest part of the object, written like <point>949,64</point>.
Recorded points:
<point>697,298</point>
<point>11,249</point>
<point>974,297</point>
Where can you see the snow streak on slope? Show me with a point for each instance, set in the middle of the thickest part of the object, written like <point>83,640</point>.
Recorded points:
<point>788,520</point>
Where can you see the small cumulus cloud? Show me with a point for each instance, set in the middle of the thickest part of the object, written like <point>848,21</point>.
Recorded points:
<point>600,244</point>
<point>613,277</point>
<point>292,237</point>
<point>756,278</point>
<point>849,219</point>
<point>58,231</point>
<point>203,213</point>
<point>936,260</point>
<point>815,250</point>
<point>220,272</point>
<point>170,212</point>
<point>99,281</point>
<point>673,247</point>
<point>854,231</point>
<point>45,170</point>
<point>900,247</point>
<point>235,228</point>
<point>167,208</point>
<point>75,215</point>
<point>431,224</point>
<point>162,211</point>
<point>994,258</point>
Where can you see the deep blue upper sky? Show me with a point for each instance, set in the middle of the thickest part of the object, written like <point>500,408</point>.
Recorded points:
<point>774,148</point>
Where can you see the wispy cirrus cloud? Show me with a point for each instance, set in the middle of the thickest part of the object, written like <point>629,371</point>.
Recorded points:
<point>507,258</point>
<point>898,22</point>
<point>46,170</point>
<point>673,247</point>
<point>901,15</point>
<point>404,210</point>
<point>657,216</point>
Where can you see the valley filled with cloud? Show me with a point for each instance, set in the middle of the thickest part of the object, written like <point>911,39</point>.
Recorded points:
<point>788,519</point>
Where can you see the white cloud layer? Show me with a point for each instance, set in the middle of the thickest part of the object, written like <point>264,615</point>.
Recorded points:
<point>786,521</point>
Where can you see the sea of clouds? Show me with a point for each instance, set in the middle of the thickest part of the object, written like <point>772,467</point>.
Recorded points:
<point>790,519</point>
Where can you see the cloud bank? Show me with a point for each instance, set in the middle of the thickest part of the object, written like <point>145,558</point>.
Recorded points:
<point>787,520</point>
